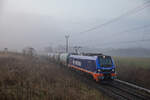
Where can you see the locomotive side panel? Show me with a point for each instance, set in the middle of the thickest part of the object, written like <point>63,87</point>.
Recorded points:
<point>82,62</point>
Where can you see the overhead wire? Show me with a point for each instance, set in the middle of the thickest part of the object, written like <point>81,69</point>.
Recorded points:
<point>120,42</point>
<point>133,11</point>
<point>124,42</point>
<point>131,30</point>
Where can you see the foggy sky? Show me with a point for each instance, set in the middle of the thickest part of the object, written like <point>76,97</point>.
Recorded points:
<point>39,23</point>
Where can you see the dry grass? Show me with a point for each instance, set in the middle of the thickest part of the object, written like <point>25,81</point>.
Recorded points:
<point>134,70</point>
<point>32,78</point>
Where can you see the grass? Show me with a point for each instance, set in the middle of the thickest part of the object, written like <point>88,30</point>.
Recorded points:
<point>134,70</point>
<point>133,62</point>
<point>35,78</point>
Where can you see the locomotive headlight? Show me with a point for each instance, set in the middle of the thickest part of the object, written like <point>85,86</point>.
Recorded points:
<point>99,70</point>
<point>113,70</point>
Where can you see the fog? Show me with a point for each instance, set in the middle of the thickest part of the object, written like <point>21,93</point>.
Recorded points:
<point>40,23</point>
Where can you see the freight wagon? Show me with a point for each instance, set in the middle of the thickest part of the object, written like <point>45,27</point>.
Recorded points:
<point>64,57</point>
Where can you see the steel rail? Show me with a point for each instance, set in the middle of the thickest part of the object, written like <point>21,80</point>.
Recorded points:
<point>134,86</point>
<point>131,92</point>
<point>117,89</point>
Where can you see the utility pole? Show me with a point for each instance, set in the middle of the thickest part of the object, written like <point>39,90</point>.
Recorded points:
<point>67,42</point>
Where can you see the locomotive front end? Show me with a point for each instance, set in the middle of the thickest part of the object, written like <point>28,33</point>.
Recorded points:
<point>106,68</point>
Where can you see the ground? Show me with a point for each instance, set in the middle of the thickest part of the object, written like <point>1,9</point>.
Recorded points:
<point>36,78</point>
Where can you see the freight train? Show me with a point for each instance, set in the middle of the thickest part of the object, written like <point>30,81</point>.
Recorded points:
<point>99,66</point>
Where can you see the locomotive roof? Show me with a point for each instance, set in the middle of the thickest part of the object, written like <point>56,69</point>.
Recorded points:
<point>84,57</point>
<point>93,54</point>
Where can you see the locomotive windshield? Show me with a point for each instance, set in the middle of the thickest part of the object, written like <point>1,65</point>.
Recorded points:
<point>105,61</point>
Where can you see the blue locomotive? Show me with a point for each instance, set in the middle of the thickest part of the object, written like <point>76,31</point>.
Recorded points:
<point>99,66</point>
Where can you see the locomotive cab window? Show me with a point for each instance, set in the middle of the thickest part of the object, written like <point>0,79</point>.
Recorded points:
<point>105,61</point>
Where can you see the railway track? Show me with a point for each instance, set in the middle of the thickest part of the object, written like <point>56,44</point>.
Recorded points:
<point>136,92</point>
<point>119,90</point>
<point>126,92</point>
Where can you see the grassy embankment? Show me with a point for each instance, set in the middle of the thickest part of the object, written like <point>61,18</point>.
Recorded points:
<point>135,70</point>
<point>30,78</point>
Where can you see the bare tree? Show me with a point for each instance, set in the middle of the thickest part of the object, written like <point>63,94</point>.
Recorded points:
<point>29,51</point>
